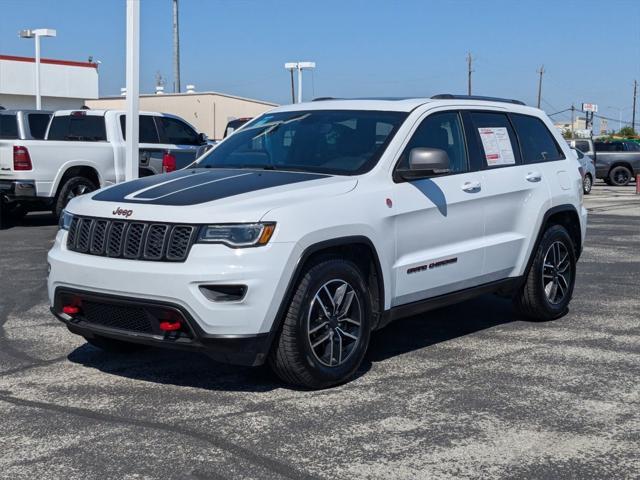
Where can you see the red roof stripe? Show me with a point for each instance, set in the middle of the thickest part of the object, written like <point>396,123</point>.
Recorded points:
<point>51,61</point>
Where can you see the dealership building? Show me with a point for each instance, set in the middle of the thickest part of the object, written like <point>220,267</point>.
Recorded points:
<point>64,84</point>
<point>208,112</point>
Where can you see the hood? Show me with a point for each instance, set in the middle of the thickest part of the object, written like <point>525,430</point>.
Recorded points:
<point>210,195</point>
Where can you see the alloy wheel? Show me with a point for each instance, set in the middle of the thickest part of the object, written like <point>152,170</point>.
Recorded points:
<point>77,191</point>
<point>556,272</point>
<point>334,323</point>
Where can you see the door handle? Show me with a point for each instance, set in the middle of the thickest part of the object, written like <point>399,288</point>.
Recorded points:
<point>471,187</point>
<point>533,177</point>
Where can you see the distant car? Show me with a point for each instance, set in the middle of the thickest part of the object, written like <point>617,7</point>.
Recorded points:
<point>589,166</point>
<point>617,162</point>
<point>234,125</point>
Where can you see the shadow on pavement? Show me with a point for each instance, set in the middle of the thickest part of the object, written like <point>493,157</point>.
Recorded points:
<point>198,371</point>
<point>39,219</point>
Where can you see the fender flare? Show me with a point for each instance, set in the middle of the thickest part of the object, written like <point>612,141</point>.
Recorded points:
<point>64,168</point>
<point>545,218</point>
<point>299,269</point>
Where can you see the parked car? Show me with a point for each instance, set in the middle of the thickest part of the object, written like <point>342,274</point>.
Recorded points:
<point>300,234</point>
<point>589,170</point>
<point>617,162</point>
<point>234,125</point>
<point>85,150</point>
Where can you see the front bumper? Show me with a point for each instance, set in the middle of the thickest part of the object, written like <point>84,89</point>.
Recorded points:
<point>264,271</point>
<point>145,316</point>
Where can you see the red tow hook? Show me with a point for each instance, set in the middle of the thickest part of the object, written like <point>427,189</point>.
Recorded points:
<point>71,310</point>
<point>170,326</point>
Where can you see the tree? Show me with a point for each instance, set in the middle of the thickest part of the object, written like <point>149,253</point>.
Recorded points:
<point>627,132</point>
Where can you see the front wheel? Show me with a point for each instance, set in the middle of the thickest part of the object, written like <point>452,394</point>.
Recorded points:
<point>71,188</point>
<point>587,184</point>
<point>326,330</point>
<point>548,288</point>
<point>620,176</point>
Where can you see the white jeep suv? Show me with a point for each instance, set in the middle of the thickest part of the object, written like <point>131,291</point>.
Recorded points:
<point>317,223</point>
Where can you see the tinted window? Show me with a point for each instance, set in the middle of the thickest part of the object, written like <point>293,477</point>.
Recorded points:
<point>538,144</point>
<point>81,128</point>
<point>38,124</point>
<point>8,127</point>
<point>341,142</point>
<point>441,130</point>
<point>609,147</point>
<point>147,130</point>
<point>496,138</point>
<point>632,147</point>
<point>234,125</point>
<point>177,133</point>
<point>582,145</point>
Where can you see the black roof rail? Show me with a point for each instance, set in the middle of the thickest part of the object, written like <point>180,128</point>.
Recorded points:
<point>449,96</point>
<point>322,99</point>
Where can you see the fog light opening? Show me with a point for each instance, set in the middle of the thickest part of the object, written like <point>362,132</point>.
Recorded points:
<point>224,293</point>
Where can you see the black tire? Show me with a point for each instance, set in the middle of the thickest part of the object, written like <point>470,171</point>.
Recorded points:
<point>293,358</point>
<point>114,346</point>
<point>533,300</point>
<point>620,176</point>
<point>587,184</point>
<point>71,188</point>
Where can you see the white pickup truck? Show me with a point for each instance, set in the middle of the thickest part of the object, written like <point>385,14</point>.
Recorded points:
<point>84,150</point>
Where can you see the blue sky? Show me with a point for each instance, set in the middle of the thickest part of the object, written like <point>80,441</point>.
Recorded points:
<point>590,49</point>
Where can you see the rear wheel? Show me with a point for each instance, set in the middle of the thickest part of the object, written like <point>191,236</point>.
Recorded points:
<point>114,346</point>
<point>587,183</point>
<point>620,176</point>
<point>549,285</point>
<point>71,188</point>
<point>326,331</point>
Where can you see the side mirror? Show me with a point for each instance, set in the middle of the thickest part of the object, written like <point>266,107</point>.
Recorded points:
<point>203,139</point>
<point>425,162</point>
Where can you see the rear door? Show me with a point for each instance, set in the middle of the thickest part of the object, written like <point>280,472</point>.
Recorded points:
<point>510,185</point>
<point>151,151</point>
<point>180,139</point>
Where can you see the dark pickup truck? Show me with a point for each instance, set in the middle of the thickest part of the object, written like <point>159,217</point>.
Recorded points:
<point>617,162</point>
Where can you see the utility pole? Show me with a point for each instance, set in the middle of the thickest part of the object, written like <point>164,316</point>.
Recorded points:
<point>293,88</point>
<point>633,115</point>
<point>573,110</point>
<point>541,72</point>
<point>176,49</point>
<point>469,72</point>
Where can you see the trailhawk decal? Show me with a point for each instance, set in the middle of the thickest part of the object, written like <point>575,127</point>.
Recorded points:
<point>194,186</point>
<point>432,265</point>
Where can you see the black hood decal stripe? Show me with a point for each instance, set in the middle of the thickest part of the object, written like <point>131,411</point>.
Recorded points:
<point>191,187</point>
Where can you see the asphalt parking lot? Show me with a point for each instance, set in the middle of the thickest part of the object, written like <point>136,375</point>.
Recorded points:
<point>468,391</point>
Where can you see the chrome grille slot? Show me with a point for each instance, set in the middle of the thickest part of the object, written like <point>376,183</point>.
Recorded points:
<point>131,240</point>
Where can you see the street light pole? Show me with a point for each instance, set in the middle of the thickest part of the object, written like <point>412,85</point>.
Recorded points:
<point>299,66</point>
<point>36,34</point>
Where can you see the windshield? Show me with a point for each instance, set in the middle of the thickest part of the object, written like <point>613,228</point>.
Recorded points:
<point>340,142</point>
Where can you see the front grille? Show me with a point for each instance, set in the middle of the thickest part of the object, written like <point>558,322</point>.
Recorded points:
<point>131,240</point>
<point>134,319</point>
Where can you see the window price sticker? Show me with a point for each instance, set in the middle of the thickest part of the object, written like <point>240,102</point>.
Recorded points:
<point>497,146</point>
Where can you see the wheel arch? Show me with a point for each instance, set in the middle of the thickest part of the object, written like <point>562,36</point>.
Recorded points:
<point>358,248</point>
<point>90,172</point>
<point>621,163</point>
<point>566,216</point>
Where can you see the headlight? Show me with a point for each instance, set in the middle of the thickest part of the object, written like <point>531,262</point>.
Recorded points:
<point>65,220</point>
<point>237,234</point>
